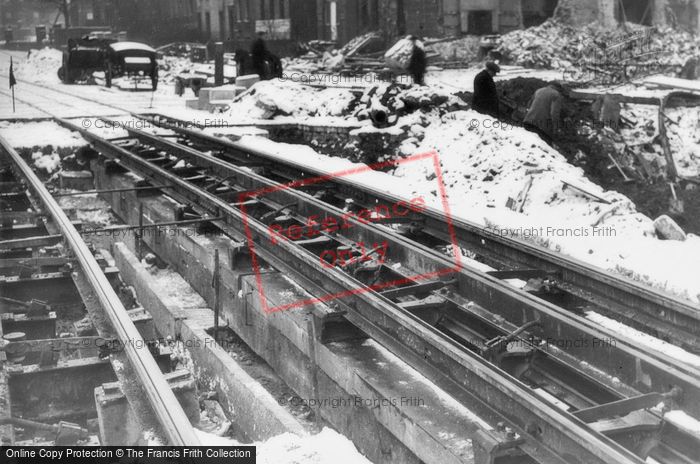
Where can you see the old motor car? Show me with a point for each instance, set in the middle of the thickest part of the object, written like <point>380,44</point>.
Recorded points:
<point>82,58</point>
<point>88,55</point>
<point>133,60</point>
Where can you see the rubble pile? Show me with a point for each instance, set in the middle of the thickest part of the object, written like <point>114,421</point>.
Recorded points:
<point>370,52</point>
<point>281,99</point>
<point>640,147</point>
<point>399,55</point>
<point>579,52</point>
<point>683,131</point>
<point>171,66</point>
<point>284,99</point>
<point>463,49</point>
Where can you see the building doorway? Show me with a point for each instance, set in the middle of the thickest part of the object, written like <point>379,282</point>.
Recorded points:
<point>477,22</point>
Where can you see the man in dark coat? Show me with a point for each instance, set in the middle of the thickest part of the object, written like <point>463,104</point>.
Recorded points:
<point>259,55</point>
<point>485,94</point>
<point>418,64</point>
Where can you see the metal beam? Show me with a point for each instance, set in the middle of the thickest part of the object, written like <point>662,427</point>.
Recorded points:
<point>548,433</point>
<point>171,416</point>
<point>647,309</point>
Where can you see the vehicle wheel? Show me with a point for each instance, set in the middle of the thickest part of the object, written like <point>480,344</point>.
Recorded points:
<point>62,74</point>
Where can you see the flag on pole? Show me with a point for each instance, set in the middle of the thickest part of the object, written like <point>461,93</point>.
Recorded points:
<point>13,81</point>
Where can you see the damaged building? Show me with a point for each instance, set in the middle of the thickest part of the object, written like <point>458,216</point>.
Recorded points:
<point>296,20</point>
<point>681,13</point>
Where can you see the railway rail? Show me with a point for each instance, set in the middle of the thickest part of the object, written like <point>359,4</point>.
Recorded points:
<point>582,286</point>
<point>564,404</point>
<point>586,287</point>
<point>145,387</point>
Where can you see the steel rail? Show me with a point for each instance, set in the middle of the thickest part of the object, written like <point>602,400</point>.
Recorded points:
<point>653,311</point>
<point>623,359</point>
<point>548,433</point>
<point>171,416</point>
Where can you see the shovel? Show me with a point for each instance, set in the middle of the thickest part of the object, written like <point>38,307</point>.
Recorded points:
<point>676,205</point>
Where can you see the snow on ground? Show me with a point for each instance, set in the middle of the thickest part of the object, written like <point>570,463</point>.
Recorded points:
<point>683,131</point>
<point>643,339</point>
<point>50,162</point>
<point>324,447</point>
<point>483,167</point>
<point>683,126</point>
<point>39,134</point>
<point>90,209</point>
<point>289,99</point>
<point>41,66</point>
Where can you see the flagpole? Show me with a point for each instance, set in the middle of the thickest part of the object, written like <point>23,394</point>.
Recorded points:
<point>13,82</point>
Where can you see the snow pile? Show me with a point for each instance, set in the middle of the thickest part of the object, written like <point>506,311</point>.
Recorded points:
<point>171,66</point>
<point>273,98</point>
<point>286,101</point>
<point>484,169</point>
<point>487,166</point>
<point>39,134</point>
<point>48,162</point>
<point>41,66</point>
<point>326,446</point>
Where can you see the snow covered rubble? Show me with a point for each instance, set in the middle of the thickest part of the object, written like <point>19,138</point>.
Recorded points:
<point>484,166</point>
<point>510,153</point>
<point>555,45</point>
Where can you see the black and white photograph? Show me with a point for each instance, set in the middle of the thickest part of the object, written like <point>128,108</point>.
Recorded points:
<point>350,231</point>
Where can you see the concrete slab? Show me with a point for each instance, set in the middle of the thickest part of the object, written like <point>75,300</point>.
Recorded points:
<point>256,414</point>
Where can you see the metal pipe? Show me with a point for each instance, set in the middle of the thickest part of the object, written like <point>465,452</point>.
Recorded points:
<point>92,192</point>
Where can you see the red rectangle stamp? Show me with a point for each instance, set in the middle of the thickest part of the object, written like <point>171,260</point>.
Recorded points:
<point>338,239</point>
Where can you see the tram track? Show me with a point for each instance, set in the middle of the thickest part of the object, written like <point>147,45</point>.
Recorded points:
<point>455,327</point>
<point>447,340</point>
<point>145,387</point>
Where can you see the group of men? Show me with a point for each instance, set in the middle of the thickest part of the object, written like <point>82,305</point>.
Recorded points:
<point>543,115</point>
<point>544,112</point>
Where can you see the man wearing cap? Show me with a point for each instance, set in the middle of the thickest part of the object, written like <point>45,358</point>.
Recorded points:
<point>485,98</point>
<point>544,115</point>
<point>259,56</point>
